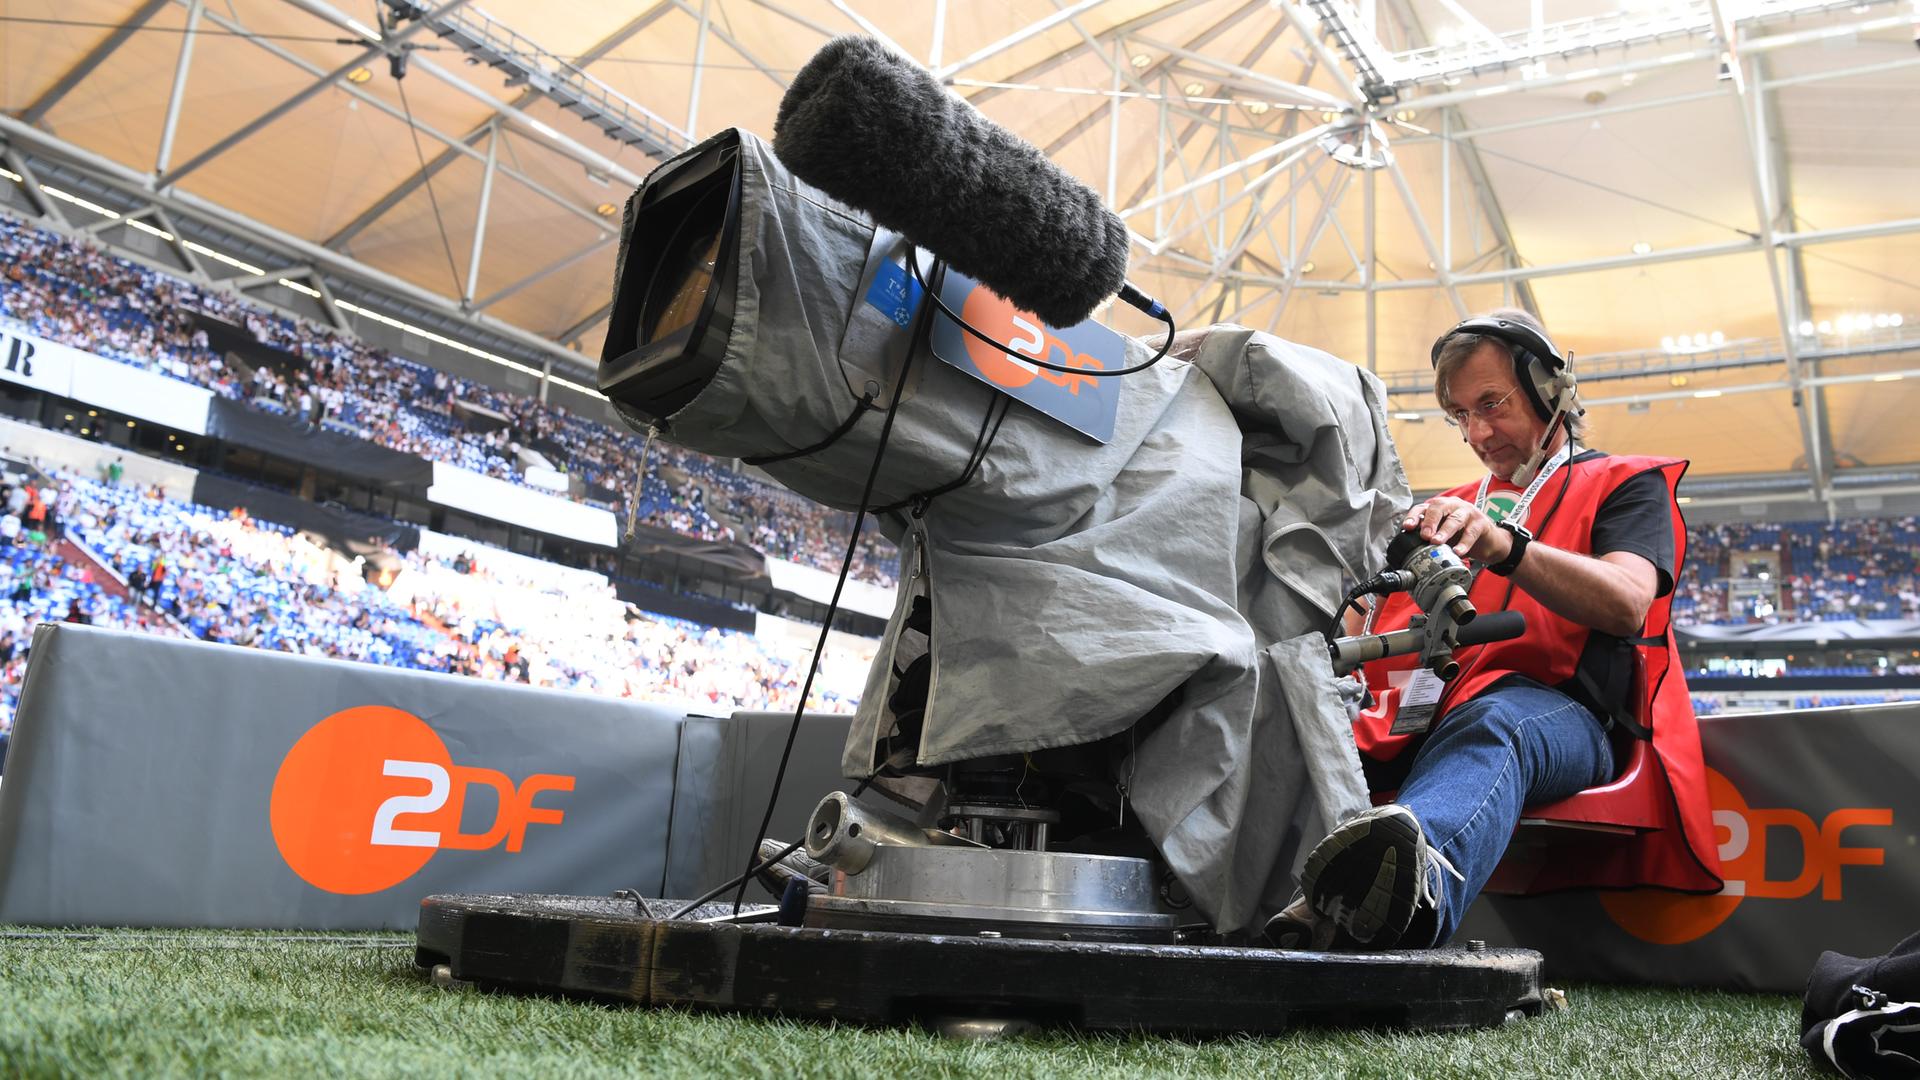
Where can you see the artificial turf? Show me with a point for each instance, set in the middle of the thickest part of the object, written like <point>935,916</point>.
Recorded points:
<point>159,1003</point>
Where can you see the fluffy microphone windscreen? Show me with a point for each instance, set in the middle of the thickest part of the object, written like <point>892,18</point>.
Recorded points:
<point>878,132</point>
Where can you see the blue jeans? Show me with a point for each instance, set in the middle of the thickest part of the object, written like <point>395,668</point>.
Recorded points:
<point>1516,745</point>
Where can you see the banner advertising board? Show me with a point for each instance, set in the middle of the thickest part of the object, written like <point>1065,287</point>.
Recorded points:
<point>1816,817</point>
<point>154,782</point>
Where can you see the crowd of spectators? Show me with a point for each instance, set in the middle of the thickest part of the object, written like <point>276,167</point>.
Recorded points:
<point>188,570</point>
<point>73,292</point>
<point>1806,571</point>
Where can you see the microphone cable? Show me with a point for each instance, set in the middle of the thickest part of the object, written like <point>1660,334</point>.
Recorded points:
<point>1158,311</point>
<point>754,863</point>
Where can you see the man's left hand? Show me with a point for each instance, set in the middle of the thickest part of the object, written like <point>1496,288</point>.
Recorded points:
<point>1444,519</point>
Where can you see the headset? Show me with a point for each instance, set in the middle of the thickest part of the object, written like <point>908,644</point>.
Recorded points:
<point>1545,374</point>
<point>1542,371</point>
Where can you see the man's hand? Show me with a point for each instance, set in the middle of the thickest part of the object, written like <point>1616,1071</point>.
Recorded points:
<point>1610,592</point>
<point>1447,520</point>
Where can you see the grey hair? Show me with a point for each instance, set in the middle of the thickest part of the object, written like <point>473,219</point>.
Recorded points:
<point>1457,349</point>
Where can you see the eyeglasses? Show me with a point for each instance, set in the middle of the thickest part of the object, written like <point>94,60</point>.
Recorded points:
<point>1485,410</point>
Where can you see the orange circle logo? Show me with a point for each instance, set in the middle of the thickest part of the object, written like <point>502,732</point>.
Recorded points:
<point>1669,918</point>
<point>360,802</point>
<point>997,318</point>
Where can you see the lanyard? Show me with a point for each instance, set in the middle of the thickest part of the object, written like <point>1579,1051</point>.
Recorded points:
<point>1519,515</point>
<point>1520,509</point>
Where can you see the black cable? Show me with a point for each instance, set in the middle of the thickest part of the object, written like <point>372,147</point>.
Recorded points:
<point>833,605</point>
<point>997,408</point>
<point>682,911</point>
<point>414,130</point>
<point>913,264</point>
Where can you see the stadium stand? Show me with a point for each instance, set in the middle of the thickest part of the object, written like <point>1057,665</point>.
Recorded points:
<point>1813,571</point>
<point>73,292</point>
<point>125,557</point>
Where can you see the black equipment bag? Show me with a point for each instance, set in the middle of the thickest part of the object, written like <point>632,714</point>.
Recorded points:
<point>1862,1016</point>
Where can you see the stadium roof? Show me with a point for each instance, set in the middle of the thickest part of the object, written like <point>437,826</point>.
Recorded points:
<point>1714,203</point>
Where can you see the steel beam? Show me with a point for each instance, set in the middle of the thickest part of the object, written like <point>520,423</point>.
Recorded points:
<point>1305,27</point>
<point>572,333</point>
<point>140,185</point>
<point>97,55</point>
<point>1426,238</point>
<point>448,156</point>
<point>866,25</point>
<point>480,217</point>
<point>1200,40</point>
<point>1265,153</point>
<point>699,70</point>
<point>327,305</point>
<point>180,69</point>
<point>1476,169</point>
<point>1031,30</point>
<point>30,184</point>
<point>1295,93</point>
<point>1371,271</point>
<point>455,147</point>
<point>1072,52</point>
<point>187,255</point>
<point>386,47</point>
<point>545,272</point>
<point>733,43</point>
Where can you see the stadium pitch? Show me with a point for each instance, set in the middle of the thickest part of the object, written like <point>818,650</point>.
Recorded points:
<point>159,1003</point>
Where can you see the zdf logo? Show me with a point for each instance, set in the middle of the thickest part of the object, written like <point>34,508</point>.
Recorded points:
<point>999,319</point>
<point>1745,835</point>
<point>367,795</point>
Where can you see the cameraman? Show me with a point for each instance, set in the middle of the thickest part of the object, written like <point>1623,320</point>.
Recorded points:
<point>1586,546</point>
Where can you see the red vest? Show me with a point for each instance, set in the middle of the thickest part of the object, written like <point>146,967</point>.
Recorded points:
<point>1683,853</point>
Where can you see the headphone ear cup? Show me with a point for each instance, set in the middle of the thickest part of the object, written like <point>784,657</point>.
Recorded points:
<point>1538,378</point>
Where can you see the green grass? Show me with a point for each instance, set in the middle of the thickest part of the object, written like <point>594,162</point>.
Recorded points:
<point>159,1003</point>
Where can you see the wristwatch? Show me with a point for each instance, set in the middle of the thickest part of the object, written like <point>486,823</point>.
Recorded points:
<point>1521,538</point>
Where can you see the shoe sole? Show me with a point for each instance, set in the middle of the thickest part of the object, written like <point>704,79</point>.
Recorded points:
<point>1374,859</point>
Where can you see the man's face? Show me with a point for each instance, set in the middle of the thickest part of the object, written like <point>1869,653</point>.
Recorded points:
<point>1504,441</point>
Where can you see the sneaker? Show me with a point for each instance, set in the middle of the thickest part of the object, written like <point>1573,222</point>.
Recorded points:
<point>1298,928</point>
<point>1371,874</point>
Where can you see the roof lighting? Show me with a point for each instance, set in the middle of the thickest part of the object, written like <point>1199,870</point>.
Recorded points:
<point>1194,89</point>
<point>299,288</point>
<point>1141,60</point>
<point>80,202</point>
<point>1706,393</point>
<point>11,175</point>
<point>1641,247</point>
<point>441,339</point>
<point>1892,376</point>
<point>605,209</point>
<point>1410,417</point>
<point>1307,267</point>
<point>223,257</point>
<point>359,75</point>
<point>1256,108</point>
<point>146,228</point>
<point>1806,328</point>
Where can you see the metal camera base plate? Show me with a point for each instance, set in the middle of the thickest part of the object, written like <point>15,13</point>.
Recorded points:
<point>621,949</point>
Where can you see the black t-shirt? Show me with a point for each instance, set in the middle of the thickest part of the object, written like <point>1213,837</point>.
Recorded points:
<point>1637,517</point>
